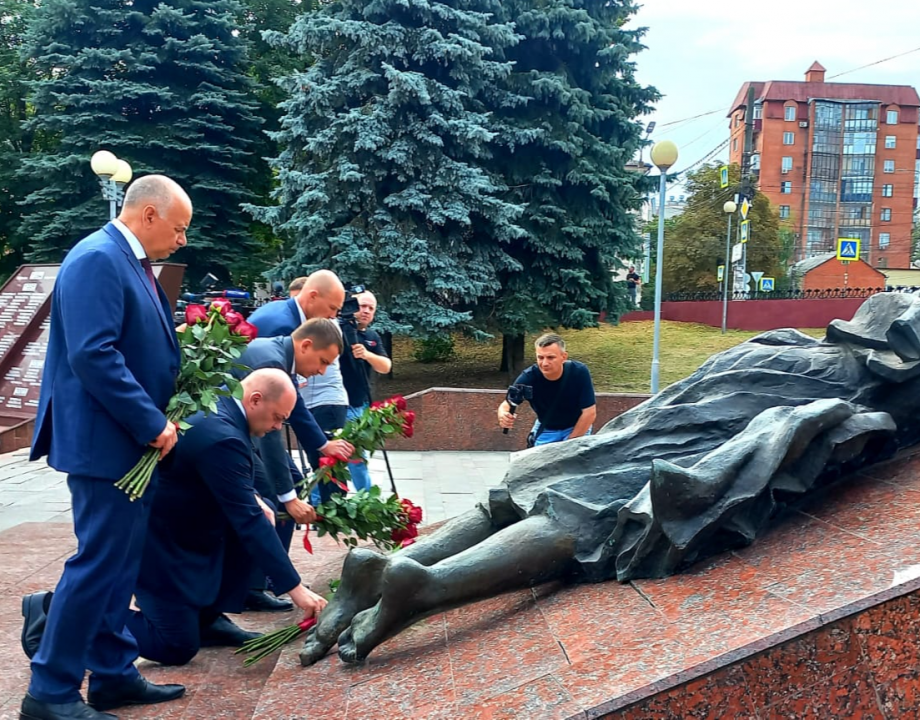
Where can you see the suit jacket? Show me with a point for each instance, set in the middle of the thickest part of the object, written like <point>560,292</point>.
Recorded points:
<point>111,364</point>
<point>205,523</point>
<point>278,352</point>
<point>276,318</point>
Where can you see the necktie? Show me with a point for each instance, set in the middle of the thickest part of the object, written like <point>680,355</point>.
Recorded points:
<point>148,268</point>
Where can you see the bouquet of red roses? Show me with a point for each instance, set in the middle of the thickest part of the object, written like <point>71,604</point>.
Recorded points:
<point>211,343</point>
<point>364,515</point>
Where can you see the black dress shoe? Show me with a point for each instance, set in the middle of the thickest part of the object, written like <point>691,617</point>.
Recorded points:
<point>263,602</point>
<point>33,709</point>
<point>224,633</point>
<point>138,692</point>
<point>35,614</point>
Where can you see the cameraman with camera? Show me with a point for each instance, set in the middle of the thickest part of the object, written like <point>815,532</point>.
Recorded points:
<point>560,392</point>
<point>366,353</point>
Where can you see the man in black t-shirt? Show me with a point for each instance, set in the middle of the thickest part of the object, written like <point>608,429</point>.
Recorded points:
<point>356,364</point>
<point>563,394</point>
<point>633,281</point>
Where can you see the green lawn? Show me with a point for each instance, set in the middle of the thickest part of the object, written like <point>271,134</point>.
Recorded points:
<point>619,358</point>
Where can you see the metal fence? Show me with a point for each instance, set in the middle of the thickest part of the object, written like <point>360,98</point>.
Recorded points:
<point>829,293</point>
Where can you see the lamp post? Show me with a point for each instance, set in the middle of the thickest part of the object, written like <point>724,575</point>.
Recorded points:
<point>729,209</point>
<point>113,174</point>
<point>664,155</point>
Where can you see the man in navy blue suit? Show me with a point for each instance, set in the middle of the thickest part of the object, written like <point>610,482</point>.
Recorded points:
<point>109,372</point>
<point>322,296</point>
<point>205,524</point>
<point>308,351</point>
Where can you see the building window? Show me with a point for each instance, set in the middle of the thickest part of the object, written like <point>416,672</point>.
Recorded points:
<point>784,211</point>
<point>889,166</point>
<point>789,113</point>
<point>883,262</point>
<point>891,142</point>
<point>891,117</point>
<point>787,165</point>
<point>758,111</point>
<point>884,240</point>
<point>886,214</point>
<point>785,188</point>
<point>788,138</point>
<point>735,145</point>
<point>887,190</point>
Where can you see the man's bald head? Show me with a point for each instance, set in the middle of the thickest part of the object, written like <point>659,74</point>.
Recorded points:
<point>367,308</point>
<point>158,212</point>
<point>322,295</point>
<point>268,398</point>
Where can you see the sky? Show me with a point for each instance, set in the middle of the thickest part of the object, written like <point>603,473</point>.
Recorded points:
<point>700,53</point>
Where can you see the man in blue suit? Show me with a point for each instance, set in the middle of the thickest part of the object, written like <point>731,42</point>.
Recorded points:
<point>308,351</point>
<point>205,524</point>
<point>322,296</point>
<point>109,372</point>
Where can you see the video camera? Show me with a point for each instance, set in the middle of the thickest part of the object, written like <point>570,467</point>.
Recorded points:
<point>515,396</point>
<point>350,307</point>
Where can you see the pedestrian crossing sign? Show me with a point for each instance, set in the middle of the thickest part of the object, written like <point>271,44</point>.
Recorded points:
<point>745,230</point>
<point>723,177</point>
<point>767,284</point>
<point>848,249</point>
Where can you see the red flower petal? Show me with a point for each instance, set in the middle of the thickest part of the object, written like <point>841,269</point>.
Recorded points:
<point>306,541</point>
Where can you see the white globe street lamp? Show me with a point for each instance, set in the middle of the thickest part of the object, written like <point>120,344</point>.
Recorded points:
<point>664,155</point>
<point>113,174</point>
<point>729,209</point>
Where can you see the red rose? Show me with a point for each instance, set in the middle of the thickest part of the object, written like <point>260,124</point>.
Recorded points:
<point>234,318</point>
<point>409,417</point>
<point>222,305</point>
<point>406,542</point>
<point>247,330</point>
<point>407,431</point>
<point>195,314</point>
<point>402,534</point>
<point>327,462</point>
<point>376,405</point>
<point>413,512</point>
<point>399,401</point>
<point>306,623</point>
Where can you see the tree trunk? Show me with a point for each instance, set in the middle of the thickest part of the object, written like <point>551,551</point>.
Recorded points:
<point>512,356</point>
<point>387,338</point>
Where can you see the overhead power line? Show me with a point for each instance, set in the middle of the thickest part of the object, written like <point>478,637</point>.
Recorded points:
<point>872,64</point>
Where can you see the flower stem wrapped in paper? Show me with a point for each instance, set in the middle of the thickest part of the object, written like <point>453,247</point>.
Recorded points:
<point>211,343</point>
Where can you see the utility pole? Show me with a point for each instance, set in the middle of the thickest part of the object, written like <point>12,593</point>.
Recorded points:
<point>747,182</point>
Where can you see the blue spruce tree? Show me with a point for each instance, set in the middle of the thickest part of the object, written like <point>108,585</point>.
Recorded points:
<point>565,163</point>
<point>162,84</point>
<point>387,137</point>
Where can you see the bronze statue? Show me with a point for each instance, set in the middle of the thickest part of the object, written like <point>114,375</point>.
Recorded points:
<point>699,468</point>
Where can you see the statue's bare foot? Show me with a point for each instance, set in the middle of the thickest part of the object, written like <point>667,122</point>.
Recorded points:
<point>359,590</point>
<point>403,581</point>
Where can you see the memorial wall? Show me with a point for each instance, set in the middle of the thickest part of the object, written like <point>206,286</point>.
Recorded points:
<point>25,308</point>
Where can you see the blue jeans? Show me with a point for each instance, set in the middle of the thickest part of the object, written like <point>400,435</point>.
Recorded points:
<point>553,436</point>
<point>360,476</point>
<point>329,418</point>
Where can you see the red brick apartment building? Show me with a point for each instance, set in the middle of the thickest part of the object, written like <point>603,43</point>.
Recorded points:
<point>836,160</point>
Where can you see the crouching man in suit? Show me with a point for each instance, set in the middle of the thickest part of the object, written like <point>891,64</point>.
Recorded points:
<point>204,522</point>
